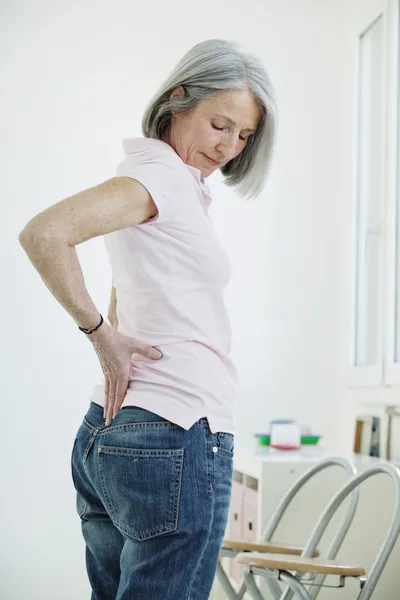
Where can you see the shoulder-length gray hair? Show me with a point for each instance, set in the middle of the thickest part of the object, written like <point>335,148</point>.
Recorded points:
<point>211,67</point>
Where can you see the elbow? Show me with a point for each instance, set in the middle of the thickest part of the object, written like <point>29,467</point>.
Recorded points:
<point>34,238</point>
<point>30,235</point>
<point>25,237</point>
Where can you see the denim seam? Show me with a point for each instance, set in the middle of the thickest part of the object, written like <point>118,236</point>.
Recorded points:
<point>128,426</point>
<point>85,455</point>
<point>210,490</point>
<point>90,427</point>
<point>225,452</point>
<point>177,489</point>
<point>163,453</point>
<point>209,459</point>
<point>84,505</point>
<point>146,425</point>
<point>212,464</point>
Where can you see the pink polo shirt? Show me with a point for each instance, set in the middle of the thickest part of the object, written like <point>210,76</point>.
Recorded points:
<point>170,274</point>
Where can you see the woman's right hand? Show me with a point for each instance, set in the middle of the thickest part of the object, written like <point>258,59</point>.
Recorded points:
<point>115,350</point>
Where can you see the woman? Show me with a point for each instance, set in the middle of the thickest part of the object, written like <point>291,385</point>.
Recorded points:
<point>152,460</point>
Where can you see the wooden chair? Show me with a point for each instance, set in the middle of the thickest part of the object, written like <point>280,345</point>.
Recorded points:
<point>233,548</point>
<point>292,569</point>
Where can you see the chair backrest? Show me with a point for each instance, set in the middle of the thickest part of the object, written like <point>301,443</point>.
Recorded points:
<point>299,483</point>
<point>289,497</point>
<point>327,515</point>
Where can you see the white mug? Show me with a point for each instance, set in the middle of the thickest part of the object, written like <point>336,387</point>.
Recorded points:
<point>285,434</point>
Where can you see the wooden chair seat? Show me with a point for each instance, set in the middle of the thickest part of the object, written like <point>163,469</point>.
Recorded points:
<point>269,547</point>
<point>285,562</point>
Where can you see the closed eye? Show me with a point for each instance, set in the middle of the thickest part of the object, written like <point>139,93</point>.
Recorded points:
<point>222,128</point>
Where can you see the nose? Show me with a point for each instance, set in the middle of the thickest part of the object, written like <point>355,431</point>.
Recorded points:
<point>227,148</point>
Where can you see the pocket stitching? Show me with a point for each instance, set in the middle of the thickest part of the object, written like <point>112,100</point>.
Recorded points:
<point>162,453</point>
<point>139,425</point>
<point>225,452</point>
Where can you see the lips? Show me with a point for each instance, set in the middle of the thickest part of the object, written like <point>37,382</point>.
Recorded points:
<point>214,162</point>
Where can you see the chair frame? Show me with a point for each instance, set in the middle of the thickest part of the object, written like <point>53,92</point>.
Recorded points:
<point>273,523</point>
<point>368,582</point>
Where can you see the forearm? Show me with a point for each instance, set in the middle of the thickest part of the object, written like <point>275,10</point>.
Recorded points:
<point>58,265</point>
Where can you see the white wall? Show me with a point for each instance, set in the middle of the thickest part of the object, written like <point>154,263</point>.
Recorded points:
<point>361,397</point>
<point>284,299</point>
<point>77,77</point>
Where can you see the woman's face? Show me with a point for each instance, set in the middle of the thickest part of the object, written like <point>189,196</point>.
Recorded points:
<point>216,131</point>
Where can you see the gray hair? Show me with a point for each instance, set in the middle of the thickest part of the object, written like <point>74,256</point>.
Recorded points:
<point>211,67</point>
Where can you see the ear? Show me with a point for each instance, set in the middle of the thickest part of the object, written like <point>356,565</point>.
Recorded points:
<point>178,93</point>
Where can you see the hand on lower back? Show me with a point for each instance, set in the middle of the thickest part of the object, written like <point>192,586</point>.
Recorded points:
<point>115,350</point>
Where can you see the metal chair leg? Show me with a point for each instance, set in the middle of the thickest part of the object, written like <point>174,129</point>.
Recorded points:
<point>274,587</point>
<point>251,584</point>
<point>228,587</point>
<point>294,584</point>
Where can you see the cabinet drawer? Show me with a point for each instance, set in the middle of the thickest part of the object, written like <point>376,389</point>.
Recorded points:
<point>243,520</point>
<point>236,511</point>
<point>235,526</point>
<point>250,515</point>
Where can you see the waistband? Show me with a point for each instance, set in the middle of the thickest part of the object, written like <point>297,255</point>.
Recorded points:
<point>128,414</point>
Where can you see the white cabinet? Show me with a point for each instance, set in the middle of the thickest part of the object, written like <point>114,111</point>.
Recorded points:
<point>261,481</point>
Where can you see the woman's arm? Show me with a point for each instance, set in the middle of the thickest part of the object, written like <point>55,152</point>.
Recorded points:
<point>112,309</point>
<point>49,239</point>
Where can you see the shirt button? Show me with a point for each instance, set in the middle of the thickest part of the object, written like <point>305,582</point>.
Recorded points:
<point>215,449</point>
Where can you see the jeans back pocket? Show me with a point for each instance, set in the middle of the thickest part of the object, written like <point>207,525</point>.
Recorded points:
<point>141,489</point>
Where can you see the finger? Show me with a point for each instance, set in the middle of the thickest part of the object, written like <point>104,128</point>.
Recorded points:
<point>111,401</point>
<point>120,393</point>
<point>110,410</point>
<point>106,392</point>
<point>146,350</point>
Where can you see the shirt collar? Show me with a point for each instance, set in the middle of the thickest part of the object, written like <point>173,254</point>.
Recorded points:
<point>206,192</point>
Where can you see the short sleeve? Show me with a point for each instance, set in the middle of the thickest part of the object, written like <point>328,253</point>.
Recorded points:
<point>157,167</point>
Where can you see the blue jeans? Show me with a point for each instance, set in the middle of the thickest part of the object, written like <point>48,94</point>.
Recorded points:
<point>153,500</point>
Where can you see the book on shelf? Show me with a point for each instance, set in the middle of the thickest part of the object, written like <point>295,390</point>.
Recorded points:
<point>367,435</point>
